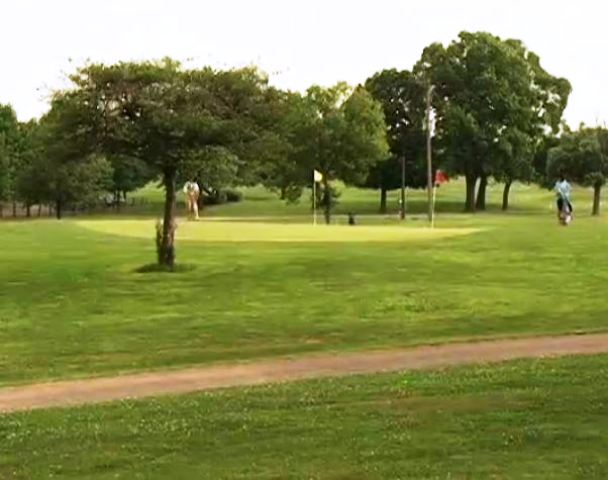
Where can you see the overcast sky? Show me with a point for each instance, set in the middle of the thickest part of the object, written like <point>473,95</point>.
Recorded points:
<point>298,42</point>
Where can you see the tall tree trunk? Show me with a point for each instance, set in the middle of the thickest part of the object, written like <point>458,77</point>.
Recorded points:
<point>40,210</point>
<point>1,209</point>
<point>597,196</point>
<point>326,199</point>
<point>505,195</point>
<point>480,203</point>
<point>58,209</point>
<point>167,249</point>
<point>383,194</point>
<point>14,209</point>
<point>283,192</point>
<point>28,210</point>
<point>469,205</point>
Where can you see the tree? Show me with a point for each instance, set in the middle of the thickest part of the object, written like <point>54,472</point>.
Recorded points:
<point>283,171</point>
<point>495,91</point>
<point>4,171</point>
<point>129,174</point>
<point>24,188</point>
<point>402,98</point>
<point>541,157</point>
<point>9,155</point>
<point>515,154</point>
<point>340,133</point>
<point>582,156</point>
<point>170,118</point>
<point>64,170</point>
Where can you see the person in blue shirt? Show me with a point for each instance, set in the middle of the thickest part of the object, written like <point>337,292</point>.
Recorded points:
<point>564,205</point>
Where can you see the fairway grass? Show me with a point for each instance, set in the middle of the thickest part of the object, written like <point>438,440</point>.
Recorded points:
<point>262,282</point>
<point>73,305</point>
<point>527,419</point>
<point>241,231</point>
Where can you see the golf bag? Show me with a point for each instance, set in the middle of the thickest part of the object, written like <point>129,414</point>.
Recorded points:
<point>565,211</point>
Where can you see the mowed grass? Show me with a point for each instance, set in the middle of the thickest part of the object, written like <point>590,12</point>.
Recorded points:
<point>72,303</point>
<point>526,419</point>
<point>262,232</point>
<point>259,202</point>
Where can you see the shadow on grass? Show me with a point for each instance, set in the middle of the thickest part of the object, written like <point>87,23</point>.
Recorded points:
<point>156,268</point>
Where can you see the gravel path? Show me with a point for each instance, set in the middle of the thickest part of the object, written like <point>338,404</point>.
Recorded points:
<point>77,392</point>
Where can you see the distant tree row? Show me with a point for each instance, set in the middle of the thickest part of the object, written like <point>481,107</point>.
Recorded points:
<point>497,114</point>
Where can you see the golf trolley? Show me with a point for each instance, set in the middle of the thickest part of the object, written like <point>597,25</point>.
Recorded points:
<point>565,214</point>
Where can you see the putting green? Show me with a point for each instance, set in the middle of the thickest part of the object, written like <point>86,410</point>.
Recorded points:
<point>206,231</point>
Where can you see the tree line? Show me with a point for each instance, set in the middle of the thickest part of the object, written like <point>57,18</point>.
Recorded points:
<point>497,114</point>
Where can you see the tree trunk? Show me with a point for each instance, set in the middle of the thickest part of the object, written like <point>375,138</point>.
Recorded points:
<point>505,195</point>
<point>383,194</point>
<point>14,209</point>
<point>28,210</point>
<point>40,210</point>
<point>1,209</point>
<point>283,193</point>
<point>167,249</point>
<point>480,203</point>
<point>58,209</point>
<point>326,199</point>
<point>469,205</point>
<point>597,195</point>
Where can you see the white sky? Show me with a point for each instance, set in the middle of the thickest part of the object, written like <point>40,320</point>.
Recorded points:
<point>299,42</point>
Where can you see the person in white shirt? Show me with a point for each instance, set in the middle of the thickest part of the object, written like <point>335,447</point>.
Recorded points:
<point>564,205</point>
<point>192,191</point>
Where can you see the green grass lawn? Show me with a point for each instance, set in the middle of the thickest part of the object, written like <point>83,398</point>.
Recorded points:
<point>71,303</point>
<point>527,419</point>
<point>525,199</point>
<point>264,283</point>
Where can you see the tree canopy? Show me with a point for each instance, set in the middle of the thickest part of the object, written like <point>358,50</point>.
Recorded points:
<point>339,132</point>
<point>493,101</point>
<point>582,157</point>
<point>401,96</point>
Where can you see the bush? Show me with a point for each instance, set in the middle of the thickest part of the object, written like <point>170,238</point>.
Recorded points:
<point>233,196</point>
<point>219,197</point>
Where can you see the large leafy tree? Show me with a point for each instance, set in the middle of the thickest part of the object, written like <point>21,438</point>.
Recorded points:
<point>492,100</point>
<point>582,156</point>
<point>341,133</point>
<point>64,170</point>
<point>24,189</point>
<point>284,170</point>
<point>515,152</point>
<point>128,174</point>
<point>169,117</point>
<point>4,171</point>
<point>402,98</point>
<point>10,155</point>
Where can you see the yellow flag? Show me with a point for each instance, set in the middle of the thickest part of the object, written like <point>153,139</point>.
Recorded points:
<point>318,176</point>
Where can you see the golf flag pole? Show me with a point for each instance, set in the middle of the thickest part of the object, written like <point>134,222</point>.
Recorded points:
<point>316,177</point>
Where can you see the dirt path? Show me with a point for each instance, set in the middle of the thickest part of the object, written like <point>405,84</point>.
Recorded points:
<point>68,393</point>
